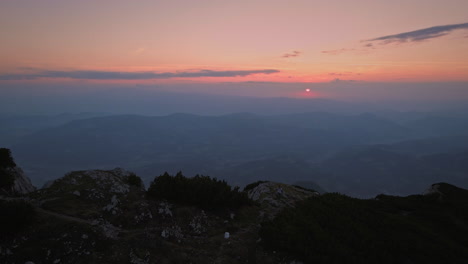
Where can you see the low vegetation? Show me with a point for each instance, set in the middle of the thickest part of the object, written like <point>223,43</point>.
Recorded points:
<point>6,161</point>
<point>335,228</point>
<point>134,180</point>
<point>201,191</point>
<point>15,215</point>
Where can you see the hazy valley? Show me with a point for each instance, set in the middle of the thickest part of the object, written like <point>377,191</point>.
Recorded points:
<point>357,154</point>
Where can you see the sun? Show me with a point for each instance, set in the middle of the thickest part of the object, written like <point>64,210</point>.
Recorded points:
<point>307,90</point>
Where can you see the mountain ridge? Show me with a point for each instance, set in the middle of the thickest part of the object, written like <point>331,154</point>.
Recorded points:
<point>105,217</point>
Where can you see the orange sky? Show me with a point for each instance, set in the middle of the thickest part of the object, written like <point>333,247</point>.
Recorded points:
<point>305,41</point>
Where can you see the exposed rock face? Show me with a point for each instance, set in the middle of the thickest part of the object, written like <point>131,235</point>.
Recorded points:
<point>106,194</point>
<point>273,197</point>
<point>12,178</point>
<point>433,189</point>
<point>22,184</point>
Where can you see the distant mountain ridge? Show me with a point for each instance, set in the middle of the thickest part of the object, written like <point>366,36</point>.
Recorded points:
<point>245,147</point>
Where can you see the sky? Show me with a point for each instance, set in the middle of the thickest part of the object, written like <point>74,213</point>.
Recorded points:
<point>376,47</point>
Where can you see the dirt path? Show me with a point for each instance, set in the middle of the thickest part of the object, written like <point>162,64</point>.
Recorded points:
<point>62,216</point>
<point>39,209</point>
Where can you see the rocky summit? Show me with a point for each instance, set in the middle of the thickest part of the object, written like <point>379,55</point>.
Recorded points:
<point>108,216</point>
<point>102,216</point>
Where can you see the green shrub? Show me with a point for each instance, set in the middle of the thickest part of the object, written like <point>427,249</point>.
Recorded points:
<point>134,180</point>
<point>6,161</point>
<point>201,191</point>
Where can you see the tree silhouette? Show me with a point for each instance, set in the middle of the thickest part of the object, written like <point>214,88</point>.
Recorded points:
<point>201,191</point>
<point>6,161</point>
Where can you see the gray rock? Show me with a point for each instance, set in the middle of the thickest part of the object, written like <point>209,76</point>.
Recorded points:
<point>273,197</point>
<point>22,184</point>
<point>433,189</point>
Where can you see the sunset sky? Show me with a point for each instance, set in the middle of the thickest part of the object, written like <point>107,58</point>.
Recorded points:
<point>192,42</point>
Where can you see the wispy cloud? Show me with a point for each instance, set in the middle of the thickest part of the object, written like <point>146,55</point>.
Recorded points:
<point>369,45</point>
<point>421,34</point>
<point>338,80</point>
<point>336,51</point>
<point>295,53</point>
<point>112,75</point>
<point>342,73</point>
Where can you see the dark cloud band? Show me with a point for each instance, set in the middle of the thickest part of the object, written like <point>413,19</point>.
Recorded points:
<point>110,75</point>
<point>421,34</point>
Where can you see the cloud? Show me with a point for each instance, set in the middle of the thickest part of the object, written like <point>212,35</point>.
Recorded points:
<point>112,75</point>
<point>337,51</point>
<point>295,53</point>
<point>411,36</point>
<point>338,80</point>
<point>341,73</point>
<point>421,34</point>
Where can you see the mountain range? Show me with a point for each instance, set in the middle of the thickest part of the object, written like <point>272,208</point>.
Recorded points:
<point>357,154</point>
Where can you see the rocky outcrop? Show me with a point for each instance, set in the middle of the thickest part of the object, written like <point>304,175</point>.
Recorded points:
<point>21,183</point>
<point>433,189</point>
<point>105,216</point>
<point>13,181</point>
<point>109,192</point>
<point>273,197</point>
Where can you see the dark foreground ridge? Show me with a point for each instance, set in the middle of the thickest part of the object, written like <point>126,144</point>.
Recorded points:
<point>334,228</point>
<point>109,217</point>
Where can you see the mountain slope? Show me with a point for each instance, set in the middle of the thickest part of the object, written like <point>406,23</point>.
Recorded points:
<point>105,217</point>
<point>334,228</point>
